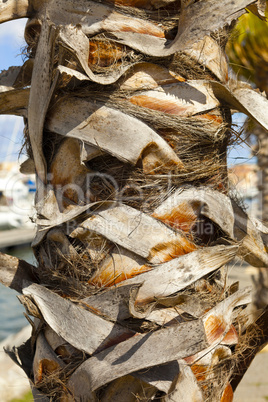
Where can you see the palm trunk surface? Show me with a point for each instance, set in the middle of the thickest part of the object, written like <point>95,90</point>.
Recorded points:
<point>127,124</point>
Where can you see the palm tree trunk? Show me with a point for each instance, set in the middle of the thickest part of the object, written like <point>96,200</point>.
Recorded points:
<point>128,123</point>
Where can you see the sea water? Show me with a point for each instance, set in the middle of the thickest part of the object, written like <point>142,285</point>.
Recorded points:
<point>11,311</point>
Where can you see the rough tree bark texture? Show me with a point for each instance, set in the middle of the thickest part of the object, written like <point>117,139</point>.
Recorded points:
<point>127,124</point>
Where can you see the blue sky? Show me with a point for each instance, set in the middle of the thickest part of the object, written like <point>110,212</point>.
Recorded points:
<point>11,46</point>
<point>239,153</point>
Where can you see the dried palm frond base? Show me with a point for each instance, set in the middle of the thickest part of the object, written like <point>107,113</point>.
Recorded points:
<point>208,326</point>
<point>128,121</point>
<point>56,363</point>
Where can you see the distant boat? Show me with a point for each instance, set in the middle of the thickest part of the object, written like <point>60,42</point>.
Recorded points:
<point>16,200</point>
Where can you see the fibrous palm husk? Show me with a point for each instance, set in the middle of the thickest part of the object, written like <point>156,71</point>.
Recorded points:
<point>128,123</point>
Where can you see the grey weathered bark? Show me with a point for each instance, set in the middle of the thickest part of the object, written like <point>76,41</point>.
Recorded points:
<point>128,123</point>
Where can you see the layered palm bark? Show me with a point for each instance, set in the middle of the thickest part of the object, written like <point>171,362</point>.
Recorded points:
<point>127,126</point>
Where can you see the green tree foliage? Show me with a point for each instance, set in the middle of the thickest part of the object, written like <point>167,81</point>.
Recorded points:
<point>247,49</point>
